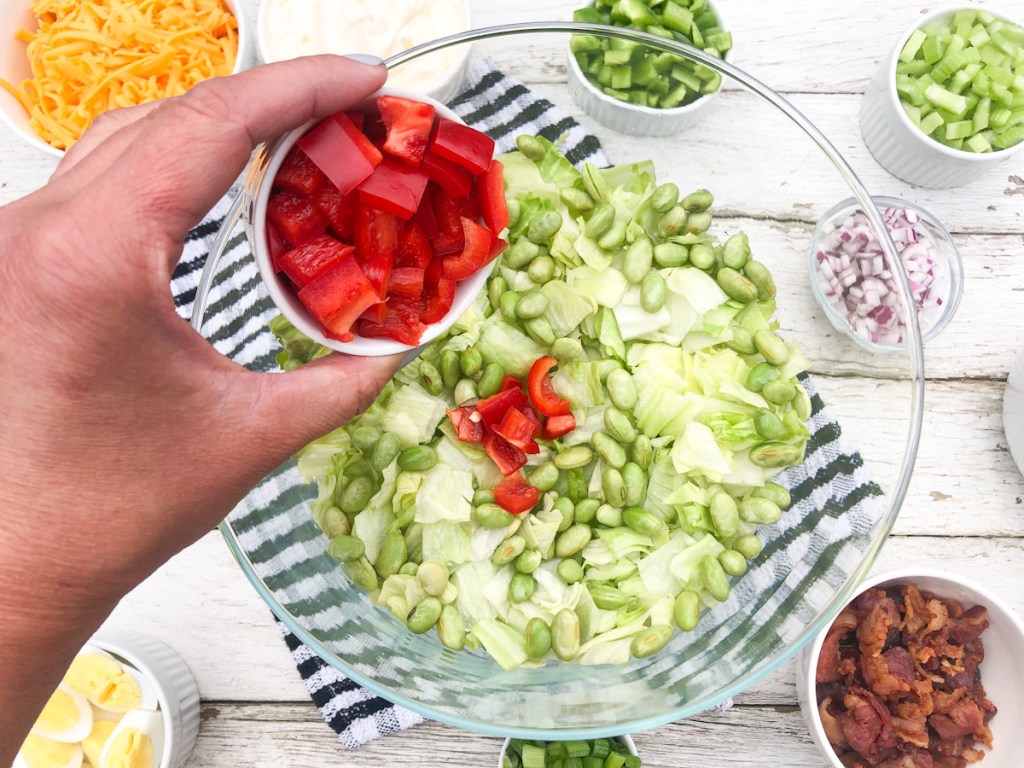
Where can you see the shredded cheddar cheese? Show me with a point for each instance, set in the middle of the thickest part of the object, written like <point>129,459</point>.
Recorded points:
<point>89,56</point>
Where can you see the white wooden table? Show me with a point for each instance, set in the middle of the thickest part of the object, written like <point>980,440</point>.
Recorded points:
<point>965,510</point>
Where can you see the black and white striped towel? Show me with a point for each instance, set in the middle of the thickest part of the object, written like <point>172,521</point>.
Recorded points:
<point>832,483</point>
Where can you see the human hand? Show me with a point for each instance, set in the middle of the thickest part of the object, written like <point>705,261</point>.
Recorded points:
<point>126,436</point>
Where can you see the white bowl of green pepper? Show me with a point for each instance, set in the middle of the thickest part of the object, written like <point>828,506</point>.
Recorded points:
<point>641,89</point>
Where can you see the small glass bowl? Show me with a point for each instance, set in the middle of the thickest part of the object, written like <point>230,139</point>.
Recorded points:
<point>950,282</point>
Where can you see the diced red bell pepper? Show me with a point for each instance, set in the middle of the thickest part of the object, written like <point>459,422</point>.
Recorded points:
<point>402,322</point>
<point>517,428</point>
<point>475,254</point>
<point>408,125</point>
<point>538,426</point>
<point>304,263</point>
<point>515,495</point>
<point>393,187</point>
<point>461,144</point>
<point>449,211</point>
<point>276,247</point>
<point>359,121</point>
<point>338,296</point>
<point>452,178</point>
<point>493,409</point>
<point>510,382</point>
<point>295,217</point>
<point>490,188</point>
<point>413,247</point>
<point>338,208</point>
<point>342,151</point>
<point>376,313</point>
<point>468,426</point>
<point>438,293</point>
<point>424,215</point>
<point>407,281</point>
<point>375,236</point>
<point>558,426</point>
<point>299,174</point>
<point>505,455</point>
<point>542,393</point>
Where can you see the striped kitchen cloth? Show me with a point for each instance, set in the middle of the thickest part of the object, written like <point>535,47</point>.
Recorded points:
<point>835,504</point>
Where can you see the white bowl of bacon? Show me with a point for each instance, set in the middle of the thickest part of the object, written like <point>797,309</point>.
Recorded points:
<point>920,670</point>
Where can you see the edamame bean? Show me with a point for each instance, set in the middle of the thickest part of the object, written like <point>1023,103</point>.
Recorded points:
<point>564,506</point>
<point>538,638</point>
<point>387,449</point>
<point>544,476</point>
<point>357,495</point>
<point>672,221</point>
<point>361,573</point>
<point>419,458</point>
<point>577,199</point>
<point>736,251</point>
<point>778,392</point>
<point>430,378</point>
<point>541,269</point>
<point>470,361</point>
<point>642,521</point>
<point>607,597</point>
<point>670,255</point>
<point>425,615</point>
<point>621,389</point>
<point>490,380</point>
<point>448,365</point>
<point>664,197</point>
<point>544,227</point>
<point>702,256</point>
<point>360,468</point>
<point>345,548</point>
<point>774,492</point>
<point>650,641</point>
<point>619,426</point>
<point>392,556</point>
<point>574,457</point>
<point>408,569</point>
<point>609,516</point>
<point>565,348</point>
<point>736,286</point>
<point>714,578</point>
<point>364,438</point>
<point>742,342</point>
<point>451,628</point>
<point>772,347</point>
<point>686,610</point>
<point>635,482</point>
<point>759,511</point>
<point>733,563</point>
<point>509,550</point>
<point>749,546</point>
<point>637,261</point>
<point>614,238</point>
<point>565,634</point>
<point>496,286</point>
<point>653,293</point>
<point>531,305</point>
<point>531,146</point>
<point>433,577</point>
<point>539,329</point>
<point>414,541</point>
<point>465,390</point>
<point>600,221</point>
<point>611,452</point>
<point>698,200</point>
<point>802,404</point>
<point>758,274</point>
<point>725,515</point>
<point>528,561</point>
<point>642,451</point>
<point>586,510</point>
<point>508,305</point>
<point>699,221</point>
<point>577,484</point>
<point>772,454</point>
<point>521,254</point>
<point>760,375</point>
<point>515,210</point>
<point>521,588</point>
<point>490,515</point>
<point>483,496</point>
<point>571,541</point>
<point>767,424</point>
<point>333,522</point>
<point>569,571</point>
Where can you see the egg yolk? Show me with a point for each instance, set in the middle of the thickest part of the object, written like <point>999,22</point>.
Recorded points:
<point>104,682</point>
<point>37,752</point>
<point>60,714</point>
<point>132,749</point>
<point>92,744</point>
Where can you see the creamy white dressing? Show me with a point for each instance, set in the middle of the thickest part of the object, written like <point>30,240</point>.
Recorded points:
<point>293,28</point>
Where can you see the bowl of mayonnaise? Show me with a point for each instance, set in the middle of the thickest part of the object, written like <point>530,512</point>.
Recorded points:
<point>288,29</point>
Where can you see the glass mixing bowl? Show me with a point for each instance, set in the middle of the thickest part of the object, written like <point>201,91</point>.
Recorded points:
<point>773,175</point>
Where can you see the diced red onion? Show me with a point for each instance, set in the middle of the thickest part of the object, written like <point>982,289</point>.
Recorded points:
<point>857,281</point>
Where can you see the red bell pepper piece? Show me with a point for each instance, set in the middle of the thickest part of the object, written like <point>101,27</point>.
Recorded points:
<point>359,121</point>
<point>295,217</point>
<point>413,247</point>
<point>452,178</point>
<point>401,323</point>
<point>475,254</point>
<point>517,428</point>
<point>558,426</point>
<point>438,293</point>
<point>304,263</point>
<point>491,189</point>
<point>376,313</point>
<point>338,296</point>
<point>515,495</point>
<point>424,215</point>
<point>342,151</point>
<point>338,208</point>
<point>375,236</point>
<point>538,426</point>
<point>510,382</point>
<point>542,393</point>
<point>408,125</point>
<point>407,281</point>
<point>462,145</point>
<point>393,187</point>
<point>505,455</point>
<point>468,426</point>
<point>492,409</point>
<point>276,247</point>
<point>299,174</point>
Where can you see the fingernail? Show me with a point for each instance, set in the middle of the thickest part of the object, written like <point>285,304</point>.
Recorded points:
<point>364,58</point>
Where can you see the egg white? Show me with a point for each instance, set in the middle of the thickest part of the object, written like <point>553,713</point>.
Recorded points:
<point>149,722</point>
<point>82,725</point>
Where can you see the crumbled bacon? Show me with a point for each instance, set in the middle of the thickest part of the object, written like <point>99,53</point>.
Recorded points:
<point>899,683</point>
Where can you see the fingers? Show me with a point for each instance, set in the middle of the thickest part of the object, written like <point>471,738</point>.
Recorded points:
<point>106,139</point>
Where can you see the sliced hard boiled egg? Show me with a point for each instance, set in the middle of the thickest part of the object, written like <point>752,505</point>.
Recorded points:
<point>93,744</point>
<point>136,742</point>
<point>104,681</point>
<point>41,752</point>
<point>66,717</point>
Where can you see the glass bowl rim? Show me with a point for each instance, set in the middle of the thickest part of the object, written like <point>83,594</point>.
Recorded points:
<point>914,351</point>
